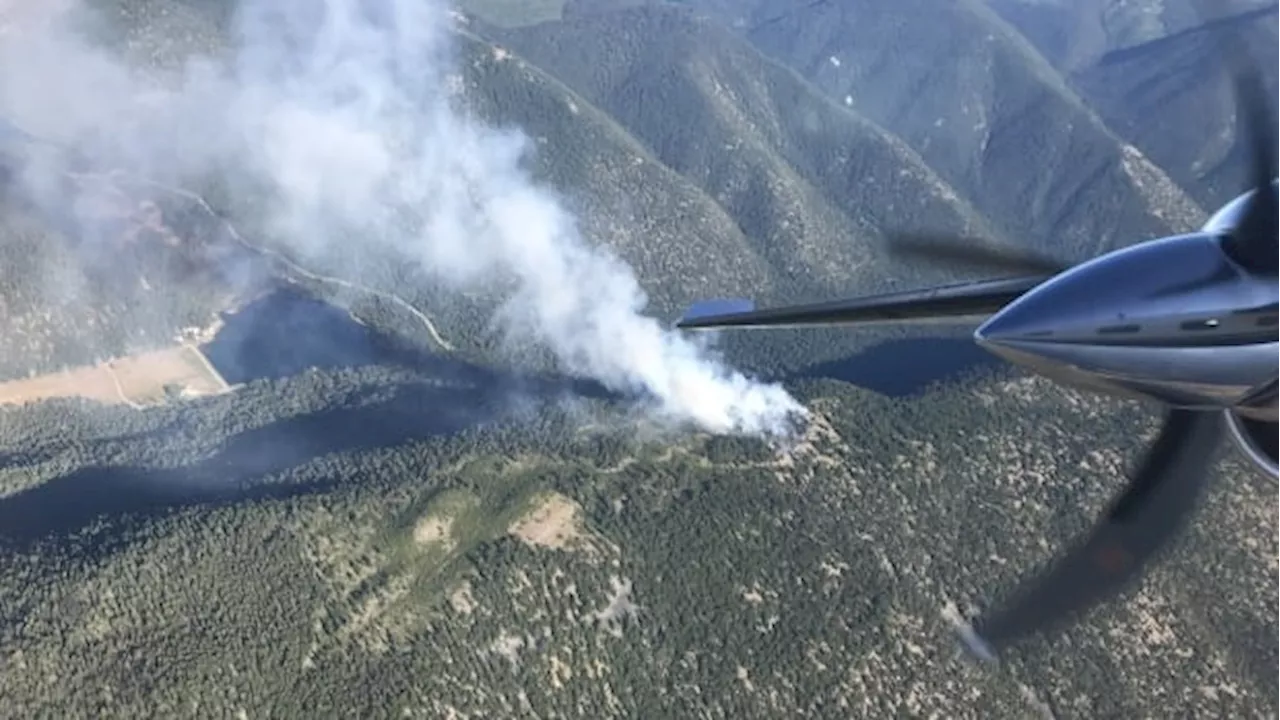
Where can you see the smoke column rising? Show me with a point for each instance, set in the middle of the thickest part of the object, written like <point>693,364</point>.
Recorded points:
<point>349,108</point>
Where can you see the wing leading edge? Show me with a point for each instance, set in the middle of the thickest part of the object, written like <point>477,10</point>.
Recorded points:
<point>948,301</point>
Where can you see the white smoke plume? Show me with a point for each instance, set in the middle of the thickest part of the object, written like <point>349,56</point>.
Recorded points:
<point>349,109</point>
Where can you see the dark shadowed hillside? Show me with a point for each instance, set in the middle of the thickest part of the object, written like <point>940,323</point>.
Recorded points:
<point>1073,34</point>
<point>1168,58</point>
<point>1173,99</point>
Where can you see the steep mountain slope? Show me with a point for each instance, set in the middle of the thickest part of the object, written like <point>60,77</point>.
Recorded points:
<point>810,182</point>
<point>662,224</point>
<point>1073,34</point>
<point>1172,97</point>
<point>983,109</point>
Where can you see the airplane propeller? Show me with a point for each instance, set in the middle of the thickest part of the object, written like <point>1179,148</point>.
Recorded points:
<point>1141,520</point>
<point>973,252</point>
<point>1253,242</point>
<point>1162,492</point>
<point>1161,496</point>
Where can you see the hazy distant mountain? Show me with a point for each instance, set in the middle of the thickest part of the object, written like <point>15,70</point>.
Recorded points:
<point>1074,34</point>
<point>1172,98</point>
<point>985,111</point>
<point>1166,91</point>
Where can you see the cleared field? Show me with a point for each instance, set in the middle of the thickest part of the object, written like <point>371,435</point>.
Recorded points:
<point>136,380</point>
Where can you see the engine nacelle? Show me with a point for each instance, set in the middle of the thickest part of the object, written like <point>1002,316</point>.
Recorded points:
<point>1255,438</point>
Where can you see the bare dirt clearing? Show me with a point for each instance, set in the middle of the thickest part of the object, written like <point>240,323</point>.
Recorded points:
<point>554,522</point>
<point>137,380</point>
<point>432,529</point>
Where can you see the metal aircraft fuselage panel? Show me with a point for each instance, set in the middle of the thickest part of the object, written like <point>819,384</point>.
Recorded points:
<point>1172,319</point>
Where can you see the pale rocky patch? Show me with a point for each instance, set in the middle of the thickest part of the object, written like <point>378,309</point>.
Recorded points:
<point>461,599</point>
<point>619,606</point>
<point>555,522</point>
<point>433,530</point>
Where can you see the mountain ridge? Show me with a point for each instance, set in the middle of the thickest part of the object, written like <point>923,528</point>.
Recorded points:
<point>619,84</point>
<point>1015,110</point>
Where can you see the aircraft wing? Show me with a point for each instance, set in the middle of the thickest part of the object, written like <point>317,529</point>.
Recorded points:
<point>948,301</point>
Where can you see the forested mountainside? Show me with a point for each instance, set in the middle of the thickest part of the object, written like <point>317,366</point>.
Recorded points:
<point>278,439</point>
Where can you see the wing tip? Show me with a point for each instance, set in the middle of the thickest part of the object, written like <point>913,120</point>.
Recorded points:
<point>707,310</point>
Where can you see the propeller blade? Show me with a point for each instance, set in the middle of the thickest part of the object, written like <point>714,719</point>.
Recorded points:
<point>1140,522</point>
<point>1255,241</point>
<point>974,253</point>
